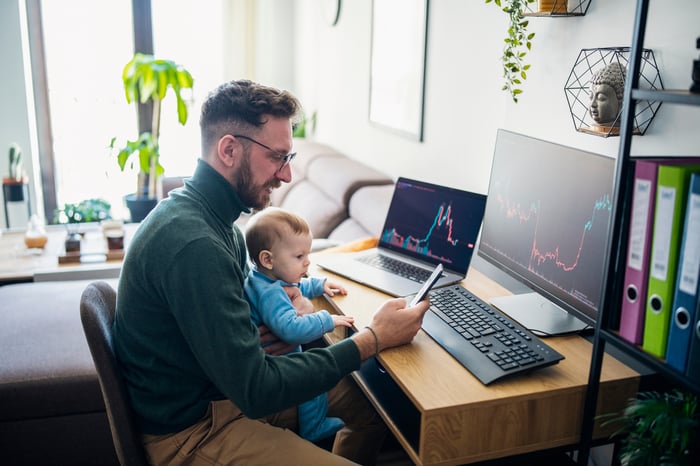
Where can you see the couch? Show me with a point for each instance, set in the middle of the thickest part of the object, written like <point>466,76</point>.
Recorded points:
<point>51,410</point>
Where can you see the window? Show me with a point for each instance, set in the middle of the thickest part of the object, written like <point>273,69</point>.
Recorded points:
<point>86,45</point>
<point>83,61</point>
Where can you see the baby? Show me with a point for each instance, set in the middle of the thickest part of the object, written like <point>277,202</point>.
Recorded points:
<point>279,243</point>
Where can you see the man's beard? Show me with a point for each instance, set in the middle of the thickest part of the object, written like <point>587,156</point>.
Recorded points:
<point>252,195</point>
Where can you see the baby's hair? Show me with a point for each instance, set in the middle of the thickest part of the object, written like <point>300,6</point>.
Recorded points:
<point>270,225</point>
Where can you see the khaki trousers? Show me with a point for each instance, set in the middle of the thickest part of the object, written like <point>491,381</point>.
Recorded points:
<point>226,437</point>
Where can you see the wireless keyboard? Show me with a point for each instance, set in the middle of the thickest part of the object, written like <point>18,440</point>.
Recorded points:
<point>485,341</point>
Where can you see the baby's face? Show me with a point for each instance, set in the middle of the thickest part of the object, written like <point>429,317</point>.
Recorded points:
<point>290,258</point>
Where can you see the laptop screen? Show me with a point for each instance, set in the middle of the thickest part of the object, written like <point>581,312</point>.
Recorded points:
<point>433,223</point>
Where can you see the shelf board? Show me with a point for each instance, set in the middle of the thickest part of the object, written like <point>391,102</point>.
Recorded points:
<point>657,364</point>
<point>677,96</point>
<point>546,13</point>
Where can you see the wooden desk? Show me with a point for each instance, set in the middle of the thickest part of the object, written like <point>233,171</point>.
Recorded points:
<point>442,415</point>
<point>19,264</point>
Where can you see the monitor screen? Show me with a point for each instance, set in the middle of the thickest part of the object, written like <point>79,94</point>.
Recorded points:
<point>546,224</point>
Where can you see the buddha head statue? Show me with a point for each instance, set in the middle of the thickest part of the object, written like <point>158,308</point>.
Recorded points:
<point>606,91</point>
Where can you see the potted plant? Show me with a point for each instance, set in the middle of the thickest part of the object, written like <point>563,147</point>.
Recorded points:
<point>146,82</point>
<point>518,43</point>
<point>13,184</point>
<point>660,429</point>
<point>89,210</point>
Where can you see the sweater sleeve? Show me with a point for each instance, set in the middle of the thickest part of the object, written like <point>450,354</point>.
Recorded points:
<point>312,287</point>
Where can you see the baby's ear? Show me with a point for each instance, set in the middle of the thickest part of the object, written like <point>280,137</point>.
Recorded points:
<point>265,259</point>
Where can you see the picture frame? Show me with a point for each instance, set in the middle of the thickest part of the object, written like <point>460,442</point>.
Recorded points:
<point>398,65</point>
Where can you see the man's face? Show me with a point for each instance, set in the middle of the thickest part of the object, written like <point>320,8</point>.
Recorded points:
<point>259,170</point>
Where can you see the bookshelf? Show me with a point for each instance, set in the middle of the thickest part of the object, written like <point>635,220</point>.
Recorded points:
<point>613,288</point>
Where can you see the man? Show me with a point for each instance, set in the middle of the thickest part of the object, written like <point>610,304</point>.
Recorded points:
<point>202,389</point>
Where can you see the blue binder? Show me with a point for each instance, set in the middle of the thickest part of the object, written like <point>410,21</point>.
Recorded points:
<point>686,292</point>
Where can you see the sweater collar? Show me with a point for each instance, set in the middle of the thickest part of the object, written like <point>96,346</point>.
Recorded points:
<point>217,191</point>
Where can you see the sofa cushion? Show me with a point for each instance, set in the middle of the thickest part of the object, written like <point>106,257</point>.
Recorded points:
<point>322,212</point>
<point>45,364</point>
<point>323,182</point>
<point>307,152</point>
<point>340,178</point>
<point>367,209</point>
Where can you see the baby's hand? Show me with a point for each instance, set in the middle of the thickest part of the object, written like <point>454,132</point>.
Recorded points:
<point>331,289</point>
<point>342,321</point>
<point>302,304</point>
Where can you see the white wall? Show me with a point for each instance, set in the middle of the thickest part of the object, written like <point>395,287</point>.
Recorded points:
<point>14,113</point>
<point>464,103</point>
<point>328,68</point>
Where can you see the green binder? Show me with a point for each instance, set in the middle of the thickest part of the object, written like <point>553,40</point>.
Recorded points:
<point>671,193</point>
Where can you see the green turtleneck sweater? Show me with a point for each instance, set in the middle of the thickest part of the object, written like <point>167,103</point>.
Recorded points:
<point>183,333</point>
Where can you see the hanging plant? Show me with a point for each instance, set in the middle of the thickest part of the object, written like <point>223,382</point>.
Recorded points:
<point>517,43</point>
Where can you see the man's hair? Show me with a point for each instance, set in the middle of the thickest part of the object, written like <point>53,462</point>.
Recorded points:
<point>270,225</point>
<point>242,105</point>
<point>612,74</point>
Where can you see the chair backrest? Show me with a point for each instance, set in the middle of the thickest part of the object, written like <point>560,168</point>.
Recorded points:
<point>97,307</point>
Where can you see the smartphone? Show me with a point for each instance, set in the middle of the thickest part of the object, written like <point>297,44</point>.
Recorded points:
<point>425,289</point>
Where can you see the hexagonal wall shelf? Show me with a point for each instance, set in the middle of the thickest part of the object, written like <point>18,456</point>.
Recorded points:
<point>578,92</point>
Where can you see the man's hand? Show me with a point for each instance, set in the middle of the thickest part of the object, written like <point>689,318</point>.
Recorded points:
<point>271,344</point>
<point>302,304</point>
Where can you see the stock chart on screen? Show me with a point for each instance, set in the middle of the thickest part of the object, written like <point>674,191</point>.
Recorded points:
<point>433,221</point>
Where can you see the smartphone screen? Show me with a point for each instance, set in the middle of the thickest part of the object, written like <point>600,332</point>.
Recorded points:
<point>425,289</point>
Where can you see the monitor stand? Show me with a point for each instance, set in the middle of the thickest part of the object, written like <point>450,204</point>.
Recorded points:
<point>539,315</point>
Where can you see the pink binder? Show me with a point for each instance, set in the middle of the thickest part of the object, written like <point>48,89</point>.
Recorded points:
<point>638,249</point>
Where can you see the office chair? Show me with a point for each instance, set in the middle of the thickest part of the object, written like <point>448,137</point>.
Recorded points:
<point>97,306</point>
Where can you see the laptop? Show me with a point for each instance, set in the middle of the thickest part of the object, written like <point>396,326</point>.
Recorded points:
<point>425,225</point>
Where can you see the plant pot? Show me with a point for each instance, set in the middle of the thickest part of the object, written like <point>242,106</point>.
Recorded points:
<point>139,207</point>
<point>72,242</point>
<point>13,189</point>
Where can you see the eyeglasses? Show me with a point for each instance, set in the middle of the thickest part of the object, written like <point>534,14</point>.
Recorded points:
<point>284,159</point>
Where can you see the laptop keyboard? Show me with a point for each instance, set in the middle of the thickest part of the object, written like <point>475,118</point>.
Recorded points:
<point>485,341</point>
<point>397,267</point>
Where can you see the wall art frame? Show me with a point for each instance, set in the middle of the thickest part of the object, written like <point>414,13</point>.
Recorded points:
<point>398,65</point>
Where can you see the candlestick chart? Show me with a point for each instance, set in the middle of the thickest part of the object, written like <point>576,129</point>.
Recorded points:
<point>436,223</point>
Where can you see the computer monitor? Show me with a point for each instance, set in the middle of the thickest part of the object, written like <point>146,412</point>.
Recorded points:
<point>546,224</point>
